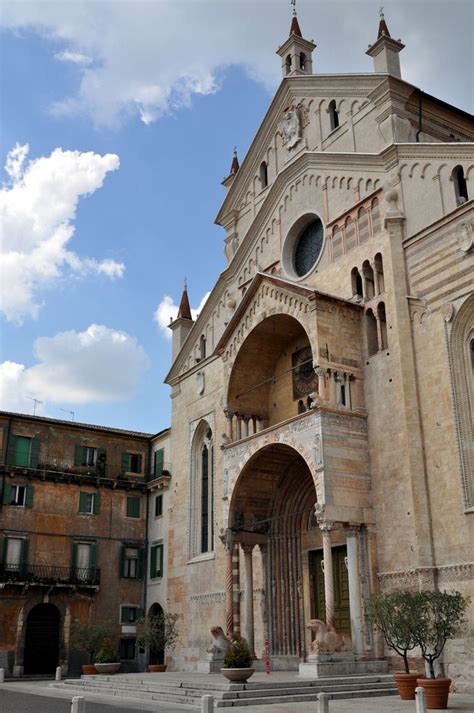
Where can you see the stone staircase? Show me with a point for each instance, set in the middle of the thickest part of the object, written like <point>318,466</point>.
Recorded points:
<point>190,691</point>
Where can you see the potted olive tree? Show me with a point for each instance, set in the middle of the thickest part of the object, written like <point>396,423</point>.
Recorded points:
<point>90,636</point>
<point>393,615</point>
<point>158,632</point>
<point>238,662</point>
<point>441,618</point>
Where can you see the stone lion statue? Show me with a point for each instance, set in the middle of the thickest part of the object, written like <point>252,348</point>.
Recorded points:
<point>326,639</point>
<point>220,642</point>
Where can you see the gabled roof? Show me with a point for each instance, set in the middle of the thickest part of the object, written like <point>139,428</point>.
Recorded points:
<point>260,277</point>
<point>75,424</point>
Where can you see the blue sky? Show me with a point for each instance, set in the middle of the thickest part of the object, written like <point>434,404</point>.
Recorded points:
<point>149,100</point>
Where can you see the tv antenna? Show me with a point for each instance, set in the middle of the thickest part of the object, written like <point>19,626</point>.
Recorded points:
<point>67,411</point>
<point>35,401</point>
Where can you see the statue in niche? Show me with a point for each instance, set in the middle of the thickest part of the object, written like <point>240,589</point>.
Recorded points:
<point>290,128</point>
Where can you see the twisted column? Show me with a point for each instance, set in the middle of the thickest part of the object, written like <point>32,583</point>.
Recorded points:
<point>326,528</point>
<point>249,622</point>
<point>229,591</point>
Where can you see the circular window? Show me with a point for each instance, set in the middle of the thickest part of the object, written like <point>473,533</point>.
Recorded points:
<point>308,247</point>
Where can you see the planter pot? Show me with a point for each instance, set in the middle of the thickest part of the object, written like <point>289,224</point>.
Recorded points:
<point>107,668</point>
<point>237,675</point>
<point>157,667</point>
<point>406,684</point>
<point>436,692</point>
<point>88,669</point>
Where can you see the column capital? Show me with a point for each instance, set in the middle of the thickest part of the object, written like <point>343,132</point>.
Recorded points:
<point>246,418</point>
<point>327,527</point>
<point>229,413</point>
<point>247,548</point>
<point>320,372</point>
<point>351,529</point>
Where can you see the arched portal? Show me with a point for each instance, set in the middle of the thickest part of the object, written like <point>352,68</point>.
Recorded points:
<point>42,640</point>
<point>156,656</point>
<point>271,508</point>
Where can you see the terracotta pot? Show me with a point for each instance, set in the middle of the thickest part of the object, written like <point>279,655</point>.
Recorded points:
<point>107,668</point>
<point>88,669</point>
<point>157,667</point>
<point>436,692</point>
<point>237,675</point>
<point>406,684</point>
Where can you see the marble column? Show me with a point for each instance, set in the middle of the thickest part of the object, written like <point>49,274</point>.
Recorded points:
<point>321,374</point>
<point>249,622</point>
<point>229,416</point>
<point>246,420</point>
<point>357,634</point>
<point>326,528</point>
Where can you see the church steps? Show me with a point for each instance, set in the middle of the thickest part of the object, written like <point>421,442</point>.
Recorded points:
<point>189,692</point>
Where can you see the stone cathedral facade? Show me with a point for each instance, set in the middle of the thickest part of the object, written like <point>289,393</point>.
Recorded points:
<point>322,400</point>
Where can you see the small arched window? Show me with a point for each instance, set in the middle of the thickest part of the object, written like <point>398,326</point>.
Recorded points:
<point>383,325</point>
<point>302,61</point>
<point>264,174</point>
<point>333,115</point>
<point>371,326</point>
<point>460,186</point>
<point>368,275</point>
<point>378,264</point>
<point>301,406</point>
<point>202,347</point>
<point>288,64</point>
<point>356,281</point>
<point>202,491</point>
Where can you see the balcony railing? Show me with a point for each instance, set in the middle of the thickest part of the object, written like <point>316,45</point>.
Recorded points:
<point>66,466</point>
<point>49,574</point>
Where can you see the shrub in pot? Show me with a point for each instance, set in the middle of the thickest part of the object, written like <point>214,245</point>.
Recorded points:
<point>158,632</point>
<point>441,617</point>
<point>90,636</point>
<point>106,661</point>
<point>238,661</point>
<point>393,615</point>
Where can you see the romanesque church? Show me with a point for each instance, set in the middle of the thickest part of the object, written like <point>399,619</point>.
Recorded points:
<point>322,401</point>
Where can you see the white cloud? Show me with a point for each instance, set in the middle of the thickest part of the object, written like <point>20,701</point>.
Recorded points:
<point>176,48</point>
<point>99,364</point>
<point>37,208</point>
<point>74,57</point>
<point>167,310</point>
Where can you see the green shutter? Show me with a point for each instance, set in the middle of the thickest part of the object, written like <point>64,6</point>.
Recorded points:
<point>139,614</point>
<point>101,460</point>
<point>96,503</point>
<point>159,457</point>
<point>160,560</point>
<point>24,556</point>
<point>125,615</point>
<point>83,502</point>
<point>158,505</point>
<point>122,562</point>
<point>93,556</point>
<point>133,507</point>
<point>7,494</point>
<point>3,549</point>
<point>140,461</point>
<point>11,450</point>
<point>141,563</point>
<point>73,557</point>
<point>29,496</point>
<point>78,455</point>
<point>34,452</point>
<point>125,462</point>
<point>153,561</point>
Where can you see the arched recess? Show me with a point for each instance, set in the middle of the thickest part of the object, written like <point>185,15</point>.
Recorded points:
<point>41,650</point>
<point>274,498</point>
<point>201,531</point>
<point>272,371</point>
<point>156,656</point>
<point>371,330</point>
<point>462,374</point>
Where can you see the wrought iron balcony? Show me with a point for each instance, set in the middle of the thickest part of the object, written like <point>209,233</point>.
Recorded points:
<point>51,575</point>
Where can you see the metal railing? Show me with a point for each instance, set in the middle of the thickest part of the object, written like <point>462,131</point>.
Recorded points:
<point>66,466</point>
<point>49,574</point>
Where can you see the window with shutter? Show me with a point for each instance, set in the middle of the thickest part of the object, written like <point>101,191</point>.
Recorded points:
<point>89,503</point>
<point>158,505</point>
<point>130,562</point>
<point>156,561</point>
<point>158,460</point>
<point>133,507</point>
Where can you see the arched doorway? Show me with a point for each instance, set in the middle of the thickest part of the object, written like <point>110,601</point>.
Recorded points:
<point>272,506</point>
<point>42,640</point>
<point>156,656</point>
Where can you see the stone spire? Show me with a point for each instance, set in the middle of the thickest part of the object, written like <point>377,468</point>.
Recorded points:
<point>184,311</point>
<point>296,52</point>
<point>182,325</point>
<point>234,169</point>
<point>385,51</point>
